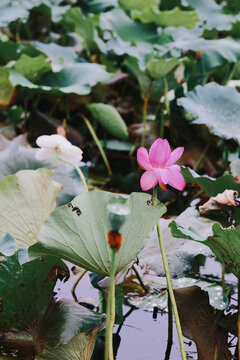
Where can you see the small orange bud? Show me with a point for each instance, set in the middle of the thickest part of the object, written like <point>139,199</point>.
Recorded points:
<point>199,54</point>
<point>114,240</point>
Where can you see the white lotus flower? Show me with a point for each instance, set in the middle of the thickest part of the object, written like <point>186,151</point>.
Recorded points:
<point>57,145</point>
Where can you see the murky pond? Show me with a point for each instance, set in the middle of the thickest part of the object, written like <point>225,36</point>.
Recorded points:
<point>144,334</point>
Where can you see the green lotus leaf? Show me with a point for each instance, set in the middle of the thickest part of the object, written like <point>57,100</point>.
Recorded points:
<point>26,200</point>
<point>80,347</point>
<point>215,106</point>
<point>180,252</point>
<point>6,88</point>
<point>7,245</point>
<point>33,68</point>
<point>81,237</point>
<point>158,68</point>
<point>58,54</point>
<point>30,319</point>
<point>77,78</point>
<point>214,52</point>
<point>213,186</point>
<point>225,243</point>
<point>17,157</point>
<point>175,17</point>
<point>110,119</point>
<point>83,26</point>
<point>212,16</point>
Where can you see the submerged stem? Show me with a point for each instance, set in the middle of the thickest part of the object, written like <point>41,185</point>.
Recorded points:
<point>108,355</point>
<point>170,330</point>
<point>76,284</point>
<point>79,171</point>
<point>169,284</point>
<point>139,279</point>
<point>99,145</point>
<point>144,115</point>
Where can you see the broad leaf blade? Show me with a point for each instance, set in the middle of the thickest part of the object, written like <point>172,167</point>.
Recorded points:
<point>27,199</point>
<point>82,239</point>
<point>215,106</point>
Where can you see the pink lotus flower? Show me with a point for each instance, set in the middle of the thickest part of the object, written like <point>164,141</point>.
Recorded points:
<point>159,166</point>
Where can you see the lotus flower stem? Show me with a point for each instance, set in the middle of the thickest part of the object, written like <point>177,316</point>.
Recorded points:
<point>169,282</point>
<point>166,101</point>
<point>79,171</point>
<point>99,145</point>
<point>203,154</point>
<point>108,355</point>
<point>144,115</point>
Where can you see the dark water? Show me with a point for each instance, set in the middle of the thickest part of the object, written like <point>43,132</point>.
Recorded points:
<point>141,336</point>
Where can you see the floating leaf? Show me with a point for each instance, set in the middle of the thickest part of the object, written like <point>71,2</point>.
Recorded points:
<point>82,239</point>
<point>225,243</point>
<point>180,253</point>
<point>27,199</point>
<point>16,157</point>
<point>217,299</point>
<point>217,107</point>
<point>110,119</point>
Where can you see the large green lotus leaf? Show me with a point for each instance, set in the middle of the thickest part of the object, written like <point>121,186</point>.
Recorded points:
<point>77,78</point>
<point>212,16</point>
<point>82,238</point>
<point>123,35</point>
<point>175,17</point>
<point>82,26</point>
<point>225,243</point>
<point>26,200</point>
<point>11,10</point>
<point>213,186</point>
<point>214,52</point>
<point>58,54</point>
<point>24,288</point>
<point>110,119</point>
<point>17,157</point>
<point>180,253</point>
<point>158,68</point>
<point>215,106</point>
<point>29,314</point>
<point>148,12</point>
<point>6,88</point>
<point>33,68</point>
<point>217,299</point>
<point>80,347</point>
